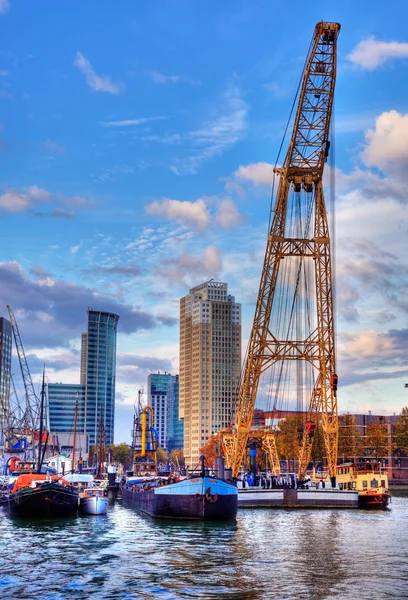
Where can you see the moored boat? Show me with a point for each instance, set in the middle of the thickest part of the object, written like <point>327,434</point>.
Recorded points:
<point>201,496</point>
<point>38,495</point>
<point>368,479</point>
<point>93,501</point>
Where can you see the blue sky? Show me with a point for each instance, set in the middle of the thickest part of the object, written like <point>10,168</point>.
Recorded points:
<point>136,146</point>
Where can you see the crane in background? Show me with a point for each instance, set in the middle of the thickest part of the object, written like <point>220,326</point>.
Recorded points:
<point>297,254</point>
<point>32,408</point>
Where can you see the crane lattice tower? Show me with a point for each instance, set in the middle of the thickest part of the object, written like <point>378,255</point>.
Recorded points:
<point>300,175</point>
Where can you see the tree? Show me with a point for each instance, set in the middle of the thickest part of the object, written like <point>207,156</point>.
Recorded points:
<point>401,431</point>
<point>161,456</point>
<point>350,440</point>
<point>177,458</point>
<point>91,456</point>
<point>318,448</point>
<point>377,441</point>
<point>122,453</point>
<point>287,440</point>
<point>211,449</point>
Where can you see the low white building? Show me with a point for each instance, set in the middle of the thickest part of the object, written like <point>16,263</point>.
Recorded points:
<point>61,463</point>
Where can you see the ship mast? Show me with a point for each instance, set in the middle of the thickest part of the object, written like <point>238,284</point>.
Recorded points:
<point>300,173</point>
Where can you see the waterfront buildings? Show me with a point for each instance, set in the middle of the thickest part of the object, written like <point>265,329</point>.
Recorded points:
<point>5,368</point>
<point>157,386</point>
<point>84,358</point>
<point>98,361</point>
<point>210,363</point>
<point>62,398</point>
<point>175,426</point>
<point>96,392</point>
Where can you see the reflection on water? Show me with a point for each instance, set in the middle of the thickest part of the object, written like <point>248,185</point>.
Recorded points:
<point>277,554</point>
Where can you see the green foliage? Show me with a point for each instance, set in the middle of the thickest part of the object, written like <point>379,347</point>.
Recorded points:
<point>318,448</point>
<point>177,458</point>
<point>287,440</point>
<point>401,431</point>
<point>122,453</point>
<point>377,439</point>
<point>161,456</point>
<point>350,440</point>
<point>91,456</point>
<point>211,449</point>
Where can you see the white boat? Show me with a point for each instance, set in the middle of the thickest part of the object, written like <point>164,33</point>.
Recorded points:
<point>93,501</point>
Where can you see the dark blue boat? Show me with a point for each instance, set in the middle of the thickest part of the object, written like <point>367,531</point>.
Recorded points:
<point>200,496</point>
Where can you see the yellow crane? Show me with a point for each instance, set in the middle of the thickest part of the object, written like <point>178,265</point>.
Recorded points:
<point>301,171</point>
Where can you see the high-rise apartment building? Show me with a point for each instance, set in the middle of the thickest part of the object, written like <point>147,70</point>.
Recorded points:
<point>5,368</point>
<point>157,386</point>
<point>98,361</point>
<point>175,425</point>
<point>210,363</point>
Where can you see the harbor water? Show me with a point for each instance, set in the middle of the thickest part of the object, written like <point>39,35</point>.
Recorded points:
<point>266,553</point>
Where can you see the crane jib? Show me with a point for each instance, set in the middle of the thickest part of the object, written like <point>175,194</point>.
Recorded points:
<point>300,173</point>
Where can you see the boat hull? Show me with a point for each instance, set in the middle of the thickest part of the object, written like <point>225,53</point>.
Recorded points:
<point>95,505</point>
<point>48,500</point>
<point>296,498</point>
<point>200,498</point>
<point>379,500</point>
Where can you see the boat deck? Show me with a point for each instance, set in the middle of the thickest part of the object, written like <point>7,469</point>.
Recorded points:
<point>297,498</point>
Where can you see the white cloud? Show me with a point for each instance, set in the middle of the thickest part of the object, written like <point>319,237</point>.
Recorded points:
<point>74,249</point>
<point>53,147</point>
<point>157,77</point>
<point>39,194</point>
<point>189,268</point>
<point>187,213</point>
<point>370,54</point>
<point>12,201</point>
<point>260,173</point>
<point>4,6</point>
<point>199,214</point>
<point>228,215</point>
<point>387,144</point>
<point>275,89</point>
<point>226,128</point>
<point>96,82</point>
<point>131,122</point>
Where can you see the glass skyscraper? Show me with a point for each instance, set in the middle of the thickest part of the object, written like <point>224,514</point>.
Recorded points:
<point>99,352</point>
<point>157,386</point>
<point>175,426</point>
<point>61,402</point>
<point>5,368</point>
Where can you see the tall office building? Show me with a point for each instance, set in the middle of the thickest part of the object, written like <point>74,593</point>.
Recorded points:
<point>5,368</point>
<point>157,386</point>
<point>62,399</point>
<point>84,358</point>
<point>98,361</point>
<point>210,363</point>
<point>175,426</point>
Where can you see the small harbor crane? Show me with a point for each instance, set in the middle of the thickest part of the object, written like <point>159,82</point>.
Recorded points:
<point>300,180</point>
<point>32,410</point>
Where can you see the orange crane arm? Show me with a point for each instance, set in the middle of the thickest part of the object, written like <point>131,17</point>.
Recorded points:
<point>302,168</point>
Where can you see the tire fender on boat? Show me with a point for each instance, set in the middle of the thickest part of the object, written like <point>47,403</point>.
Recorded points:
<point>211,498</point>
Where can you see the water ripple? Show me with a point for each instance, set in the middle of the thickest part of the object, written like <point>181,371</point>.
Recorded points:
<point>279,554</point>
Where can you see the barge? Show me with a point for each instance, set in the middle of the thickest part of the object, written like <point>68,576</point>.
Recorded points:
<point>198,497</point>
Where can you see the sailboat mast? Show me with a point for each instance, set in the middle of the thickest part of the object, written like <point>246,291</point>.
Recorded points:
<point>39,464</point>
<point>75,428</point>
